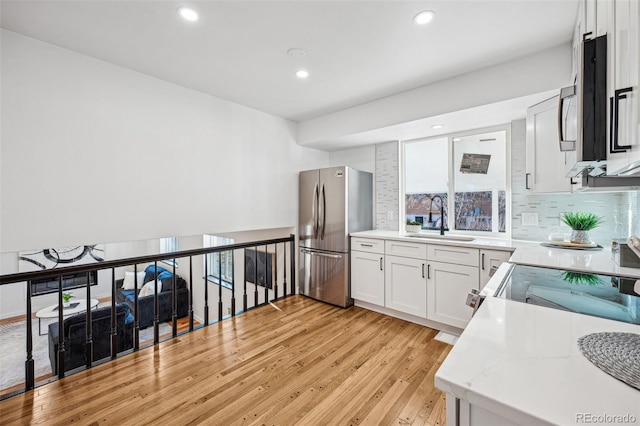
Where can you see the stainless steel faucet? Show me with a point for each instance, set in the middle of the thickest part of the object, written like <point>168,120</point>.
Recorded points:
<point>442,228</point>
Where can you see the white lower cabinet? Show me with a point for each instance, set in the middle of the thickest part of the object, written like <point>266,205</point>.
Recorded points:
<point>447,288</point>
<point>405,285</point>
<point>367,277</point>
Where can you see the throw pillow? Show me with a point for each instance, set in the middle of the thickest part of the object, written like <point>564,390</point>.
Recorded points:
<point>147,289</point>
<point>129,280</point>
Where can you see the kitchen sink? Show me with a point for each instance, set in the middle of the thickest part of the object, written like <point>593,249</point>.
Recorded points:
<point>441,237</point>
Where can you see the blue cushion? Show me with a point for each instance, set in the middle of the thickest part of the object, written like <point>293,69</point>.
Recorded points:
<point>164,275</point>
<point>129,294</point>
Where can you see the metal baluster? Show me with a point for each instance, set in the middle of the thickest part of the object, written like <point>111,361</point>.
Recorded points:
<point>255,280</point>
<point>244,294</point>
<point>136,309</point>
<point>191,293</point>
<point>29,364</point>
<point>114,325</point>
<point>60,331</point>
<point>89,325</point>
<point>156,308</point>
<point>206,290</point>
<point>174,301</point>
<point>233,284</point>
<point>267,276</point>
<point>284,272</point>
<point>219,286</point>
<point>292,255</point>
<point>275,285</point>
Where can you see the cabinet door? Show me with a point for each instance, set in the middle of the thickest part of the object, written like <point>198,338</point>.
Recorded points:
<point>367,277</point>
<point>491,259</point>
<point>406,285</point>
<point>546,164</point>
<point>447,289</point>
<point>623,75</point>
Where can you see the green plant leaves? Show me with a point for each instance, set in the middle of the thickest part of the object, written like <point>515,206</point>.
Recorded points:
<point>581,221</point>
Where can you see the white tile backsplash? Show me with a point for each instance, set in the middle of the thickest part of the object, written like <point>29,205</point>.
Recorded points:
<point>620,210</point>
<point>387,185</point>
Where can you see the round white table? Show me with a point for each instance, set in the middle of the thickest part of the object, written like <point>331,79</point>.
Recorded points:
<point>77,305</point>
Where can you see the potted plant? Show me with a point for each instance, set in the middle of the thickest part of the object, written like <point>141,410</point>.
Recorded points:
<point>66,299</point>
<point>581,224</point>
<point>413,226</point>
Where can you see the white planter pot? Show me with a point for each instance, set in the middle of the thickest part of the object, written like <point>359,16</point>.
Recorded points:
<point>412,228</point>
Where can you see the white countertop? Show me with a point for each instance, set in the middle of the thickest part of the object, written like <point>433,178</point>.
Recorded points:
<point>522,362</point>
<point>526,253</point>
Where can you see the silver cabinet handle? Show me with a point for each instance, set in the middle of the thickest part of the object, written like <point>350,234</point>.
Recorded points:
<point>565,94</point>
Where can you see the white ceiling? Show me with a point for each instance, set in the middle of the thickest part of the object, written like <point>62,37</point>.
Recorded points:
<point>357,51</point>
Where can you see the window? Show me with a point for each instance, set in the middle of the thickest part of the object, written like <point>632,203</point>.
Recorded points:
<point>169,245</point>
<point>220,262</point>
<point>465,174</point>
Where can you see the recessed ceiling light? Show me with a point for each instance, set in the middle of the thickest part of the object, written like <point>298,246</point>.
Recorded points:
<point>437,126</point>
<point>424,17</point>
<point>302,74</point>
<point>188,13</point>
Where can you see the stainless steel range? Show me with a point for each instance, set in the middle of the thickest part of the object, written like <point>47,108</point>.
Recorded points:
<point>604,296</point>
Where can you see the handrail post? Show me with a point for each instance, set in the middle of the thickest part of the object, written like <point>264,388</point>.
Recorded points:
<point>29,365</point>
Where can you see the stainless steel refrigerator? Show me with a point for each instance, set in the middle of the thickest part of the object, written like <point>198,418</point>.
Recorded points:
<point>334,202</point>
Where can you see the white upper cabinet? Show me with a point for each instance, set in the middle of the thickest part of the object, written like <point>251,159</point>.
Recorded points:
<point>546,166</point>
<point>623,79</point>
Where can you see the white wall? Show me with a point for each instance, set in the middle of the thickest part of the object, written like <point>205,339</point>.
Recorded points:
<point>534,73</point>
<point>360,158</point>
<point>95,153</point>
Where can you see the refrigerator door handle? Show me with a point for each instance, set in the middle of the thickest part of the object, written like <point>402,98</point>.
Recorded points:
<point>315,253</point>
<point>314,211</point>
<point>323,213</point>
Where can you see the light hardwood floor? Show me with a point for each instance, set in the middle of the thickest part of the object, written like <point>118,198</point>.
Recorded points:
<point>298,362</point>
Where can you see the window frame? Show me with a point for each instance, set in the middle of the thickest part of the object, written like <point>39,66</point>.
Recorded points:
<point>169,245</point>
<point>210,260</point>
<point>451,181</point>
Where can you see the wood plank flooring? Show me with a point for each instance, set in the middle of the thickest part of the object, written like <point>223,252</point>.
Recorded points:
<point>298,362</point>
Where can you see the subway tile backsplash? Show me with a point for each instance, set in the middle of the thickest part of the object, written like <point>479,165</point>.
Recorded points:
<point>620,210</point>
<point>387,185</point>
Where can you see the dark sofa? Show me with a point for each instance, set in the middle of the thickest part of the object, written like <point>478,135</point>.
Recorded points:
<point>75,336</point>
<point>165,300</point>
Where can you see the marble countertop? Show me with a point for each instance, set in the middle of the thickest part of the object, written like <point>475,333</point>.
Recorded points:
<point>522,362</point>
<point>526,253</point>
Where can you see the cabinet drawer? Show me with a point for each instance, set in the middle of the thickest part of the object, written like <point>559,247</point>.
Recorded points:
<point>367,244</point>
<point>406,249</point>
<point>452,254</point>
